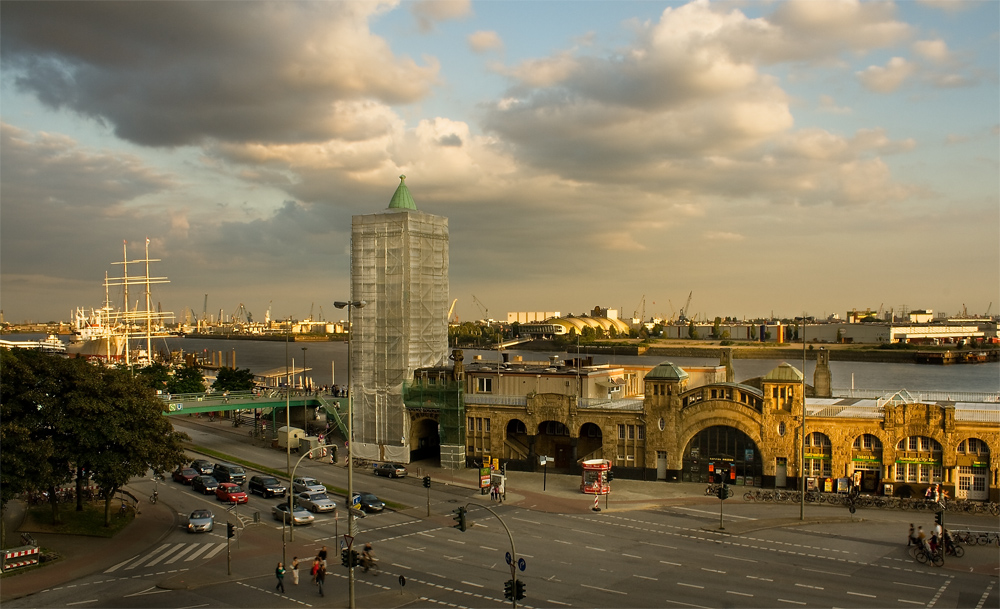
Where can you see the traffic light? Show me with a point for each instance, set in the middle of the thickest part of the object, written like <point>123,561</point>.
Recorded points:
<point>723,491</point>
<point>427,481</point>
<point>939,518</point>
<point>230,530</point>
<point>344,560</point>
<point>461,523</point>
<point>503,469</point>
<point>611,475</point>
<point>355,558</point>
<point>508,589</point>
<point>518,589</point>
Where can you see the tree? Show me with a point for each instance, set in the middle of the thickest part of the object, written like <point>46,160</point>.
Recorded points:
<point>187,379</point>
<point>77,415</point>
<point>692,331</point>
<point>233,379</point>
<point>715,327</point>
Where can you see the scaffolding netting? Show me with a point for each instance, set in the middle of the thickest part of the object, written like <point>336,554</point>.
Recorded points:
<point>399,266</point>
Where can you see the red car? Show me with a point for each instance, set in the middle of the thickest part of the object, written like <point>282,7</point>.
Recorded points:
<point>231,493</point>
<point>185,475</point>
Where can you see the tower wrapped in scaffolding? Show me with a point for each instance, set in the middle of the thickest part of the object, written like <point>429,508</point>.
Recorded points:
<point>399,266</point>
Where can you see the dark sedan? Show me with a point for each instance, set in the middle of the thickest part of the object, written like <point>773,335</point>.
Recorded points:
<point>390,470</point>
<point>184,475</point>
<point>369,502</point>
<point>203,466</point>
<point>206,485</point>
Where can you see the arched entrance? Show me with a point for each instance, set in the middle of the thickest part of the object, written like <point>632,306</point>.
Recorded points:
<point>425,443</point>
<point>553,441</point>
<point>591,443</point>
<point>725,447</point>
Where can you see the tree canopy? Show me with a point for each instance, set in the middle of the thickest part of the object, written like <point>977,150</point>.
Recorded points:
<point>233,379</point>
<point>60,416</point>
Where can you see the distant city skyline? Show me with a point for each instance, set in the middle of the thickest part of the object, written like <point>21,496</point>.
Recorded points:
<point>788,157</point>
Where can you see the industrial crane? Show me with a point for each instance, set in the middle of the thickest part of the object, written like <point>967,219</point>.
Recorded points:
<point>640,313</point>
<point>482,307</point>
<point>451,310</point>
<point>686,308</point>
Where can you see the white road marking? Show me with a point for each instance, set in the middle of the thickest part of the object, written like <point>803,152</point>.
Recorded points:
<point>739,593</point>
<point>473,584</point>
<point>735,558</point>
<point>195,554</point>
<point>644,577</point>
<point>603,589</point>
<point>903,600</point>
<point>783,600</point>
<point>557,602</point>
<point>915,585</point>
<point>690,585</point>
<point>861,594</point>
<point>810,587</point>
<point>217,549</point>
<point>93,600</point>
<point>674,564</point>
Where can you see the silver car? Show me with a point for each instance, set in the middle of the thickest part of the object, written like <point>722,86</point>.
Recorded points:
<point>311,485</point>
<point>299,514</point>
<point>315,502</point>
<point>201,521</point>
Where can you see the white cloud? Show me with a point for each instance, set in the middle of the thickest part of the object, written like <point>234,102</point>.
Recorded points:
<point>932,50</point>
<point>829,105</point>
<point>485,40</point>
<point>430,12</point>
<point>888,78</point>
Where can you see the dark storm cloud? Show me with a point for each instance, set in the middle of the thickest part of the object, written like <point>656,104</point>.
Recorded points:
<point>175,73</point>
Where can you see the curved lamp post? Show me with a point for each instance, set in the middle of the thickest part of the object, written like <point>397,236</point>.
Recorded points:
<point>354,304</point>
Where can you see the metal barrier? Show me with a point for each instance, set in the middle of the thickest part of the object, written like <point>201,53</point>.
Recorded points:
<point>23,556</point>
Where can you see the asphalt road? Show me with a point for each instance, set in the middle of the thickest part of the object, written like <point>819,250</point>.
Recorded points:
<point>668,555</point>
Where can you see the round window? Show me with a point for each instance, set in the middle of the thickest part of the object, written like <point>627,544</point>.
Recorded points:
<point>781,428</point>
<point>662,424</point>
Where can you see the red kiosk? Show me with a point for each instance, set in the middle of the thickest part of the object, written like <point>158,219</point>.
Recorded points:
<point>595,477</point>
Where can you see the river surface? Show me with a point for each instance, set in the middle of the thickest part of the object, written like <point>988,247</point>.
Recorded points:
<point>328,359</point>
<point>327,363</point>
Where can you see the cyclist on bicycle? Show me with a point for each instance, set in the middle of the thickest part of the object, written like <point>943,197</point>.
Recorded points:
<point>367,557</point>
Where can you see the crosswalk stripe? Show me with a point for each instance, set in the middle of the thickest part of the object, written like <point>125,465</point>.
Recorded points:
<point>218,548</point>
<point>145,558</point>
<point>162,556</point>
<point>181,554</point>
<point>195,554</point>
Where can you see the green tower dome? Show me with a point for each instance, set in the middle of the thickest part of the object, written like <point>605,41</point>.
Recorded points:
<point>401,199</point>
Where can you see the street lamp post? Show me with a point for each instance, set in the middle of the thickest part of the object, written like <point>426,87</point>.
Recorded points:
<point>305,392</point>
<point>354,304</point>
<point>288,426</point>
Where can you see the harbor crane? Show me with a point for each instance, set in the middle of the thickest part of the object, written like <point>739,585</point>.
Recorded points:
<point>485,310</point>
<point>451,310</point>
<point>686,308</point>
<point>640,313</point>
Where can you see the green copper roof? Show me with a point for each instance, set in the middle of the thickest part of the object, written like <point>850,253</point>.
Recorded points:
<point>666,371</point>
<point>784,372</point>
<point>401,199</point>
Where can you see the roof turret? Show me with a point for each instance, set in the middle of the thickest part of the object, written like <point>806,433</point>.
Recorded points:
<point>666,371</point>
<point>401,199</point>
<point>785,372</point>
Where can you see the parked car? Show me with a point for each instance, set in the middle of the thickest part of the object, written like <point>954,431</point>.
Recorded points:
<point>370,503</point>
<point>206,485</point>
<point>315,502</point>
<point>390,470</point>
<point>301,485</point>
<point>231,493</point>
<point>266,486</point>
<point>201,521</point>
<point>227,472</point>
<point>204,467</point>
<point>184,475</point>
<point>299,514</point>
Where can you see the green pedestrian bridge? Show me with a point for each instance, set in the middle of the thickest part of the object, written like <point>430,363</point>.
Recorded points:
<point>269,401</point>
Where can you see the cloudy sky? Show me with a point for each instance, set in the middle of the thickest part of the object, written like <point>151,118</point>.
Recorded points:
<point>781,157</point>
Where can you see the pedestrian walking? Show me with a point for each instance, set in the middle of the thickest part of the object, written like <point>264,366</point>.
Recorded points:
<point>315,569</point>
<point>279,572</point>
<point>910,540</point>
<point>295,570</point>
<point>322,557</point>
<point>321,579</point>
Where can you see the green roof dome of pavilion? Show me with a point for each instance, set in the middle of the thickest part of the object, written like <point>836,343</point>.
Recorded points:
<point>784,372</point>
<point>401,199</point>
<point>666,371</point>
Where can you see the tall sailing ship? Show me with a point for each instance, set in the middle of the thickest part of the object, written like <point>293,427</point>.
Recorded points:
<point>122,335</point>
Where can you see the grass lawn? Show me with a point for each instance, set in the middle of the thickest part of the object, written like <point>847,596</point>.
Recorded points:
<point>38,519</point>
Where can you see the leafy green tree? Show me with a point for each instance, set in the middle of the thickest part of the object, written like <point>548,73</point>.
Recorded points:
<point>715,327</point>
<point>233,379</point>
<point>187,379</point>
<point>692,331</point>
<point>156,376</point>
<point>80,416</point>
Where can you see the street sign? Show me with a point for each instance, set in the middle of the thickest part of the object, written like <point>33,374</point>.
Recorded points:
<point>521,564</point>
<point>349,539</point>
<point>509,558</point>
<point>402,581</point>
<point>356,501</point>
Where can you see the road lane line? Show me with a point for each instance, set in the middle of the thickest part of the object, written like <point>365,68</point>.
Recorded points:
<point>568,543</point>
<point>631,555</point>
<point>673,564</point>
<point>557,602</point>
<point>690,585</point>
<point>785,600</point>
<point>604,589</point>
<point>488,548</point>
<point>93,600</point>
<point>825,572</point>
<point>915,585</point>
<point>739,593</point>
<point>861,594</point>
<point>713,571</point>
<point>645,577</point>
<point>598,549</point>
<point>903,600</point>
<point>810,587</point>
<point>473,584</point>
<point>735,558</point>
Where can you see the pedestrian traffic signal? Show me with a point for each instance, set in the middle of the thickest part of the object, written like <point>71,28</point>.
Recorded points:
<point>427,481</point>
<point>939,518</point>
<point>508,589</point>
<point>344,560</point>
<point>230,530</point>
<point>460,520</point>
<point>518,589</point>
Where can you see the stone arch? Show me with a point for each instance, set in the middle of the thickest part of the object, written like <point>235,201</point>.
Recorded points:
<point>722,448</point>
<point>425,443</point>
<point>819,455</point>
<point>517,443</point>
<point>707,414</point>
